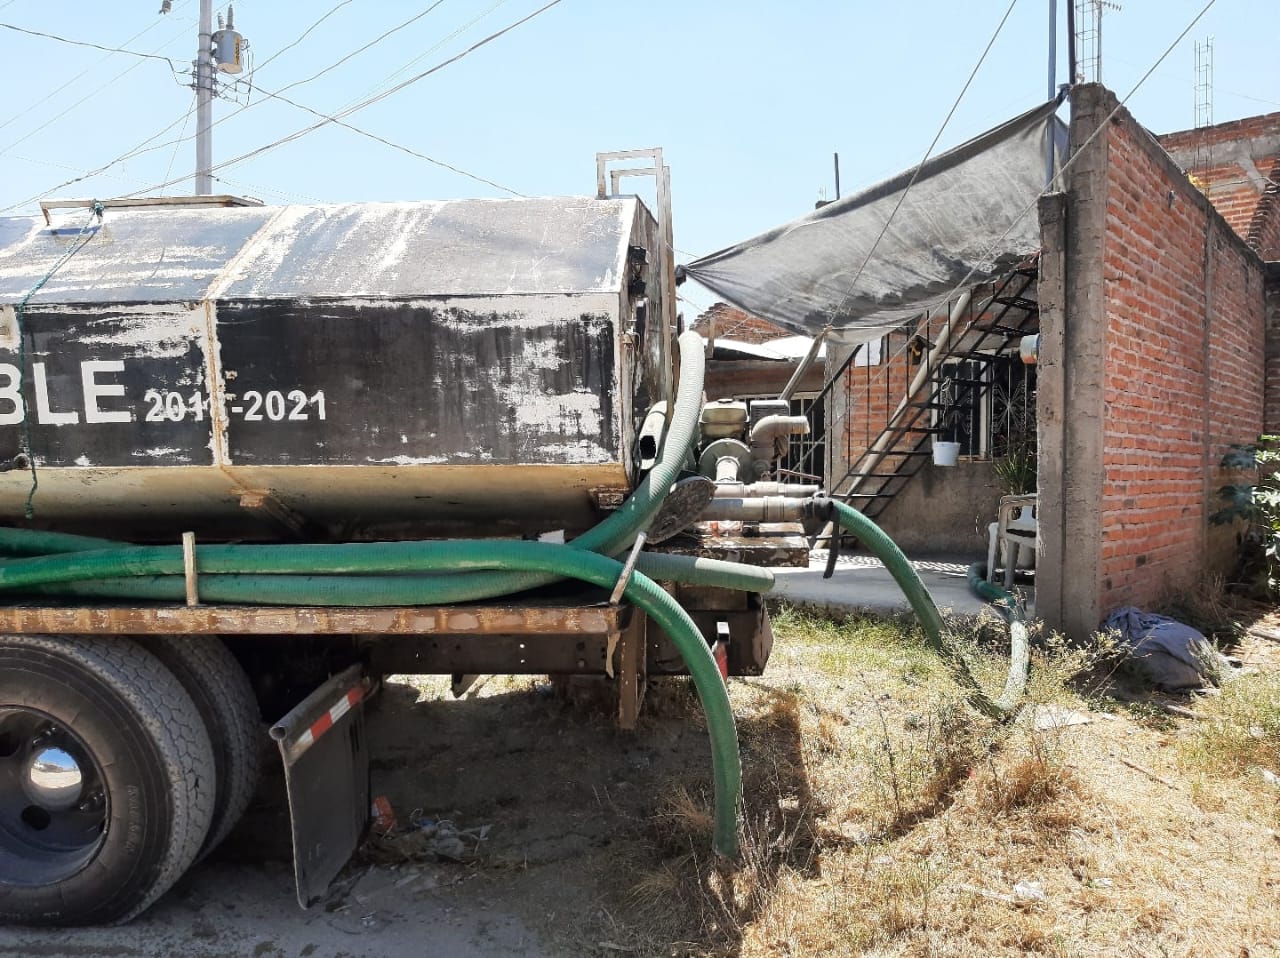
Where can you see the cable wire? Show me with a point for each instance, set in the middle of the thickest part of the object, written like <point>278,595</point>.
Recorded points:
<point>297,134</point>
<point>425,53</point>
<point>174,158</point>
<point>85,43</point>
<point>19,313</point>
<point>142,148</point>
<point>1057,180</point>
<point>376,40</point>
<point>391,143</point>
<point>98,89</point>
<point>1105,124</point>
<point>305,33</point>
<point>34,106</point>
<point>927,153</point>
<point>136,151</point>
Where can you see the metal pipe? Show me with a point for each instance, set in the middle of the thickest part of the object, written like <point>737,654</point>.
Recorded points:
<point>793,384</point>
<point>740,490</point>
<point>727,470</point>
<point>204,102</point>
<point>756,509</point>
<point>1053,84</point>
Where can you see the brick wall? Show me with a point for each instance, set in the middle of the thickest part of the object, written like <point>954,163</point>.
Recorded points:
<point>733,323</point>
<point>1271,405</point>
<point>1264,228</point>
<point>1174,298</point>
<point>1236,165</point>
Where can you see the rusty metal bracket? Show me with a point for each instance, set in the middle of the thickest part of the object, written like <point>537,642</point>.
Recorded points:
<point>268,506</point>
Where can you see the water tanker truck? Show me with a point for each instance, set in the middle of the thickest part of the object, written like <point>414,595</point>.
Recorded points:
<point>254,458</point>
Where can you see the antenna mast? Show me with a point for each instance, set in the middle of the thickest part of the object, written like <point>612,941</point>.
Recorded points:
<point>1088,38</point>
<point>1202,157</point>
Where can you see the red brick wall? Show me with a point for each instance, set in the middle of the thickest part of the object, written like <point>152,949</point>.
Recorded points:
<point>1183,368</point>
<point>1264,230</point>
<point>1271,409</point>
<point>1230,163</point>
<point>736,324</point>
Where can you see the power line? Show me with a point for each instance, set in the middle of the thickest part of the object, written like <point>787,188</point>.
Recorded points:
<point>426,53</point>
<point>65,166</point>
<point>174,158</point>
<point>927,153</point>
<point>391,143</point>
<point>376,40</point>
<point>136,151</point>
<point>54,119</point>
<point>34,106</point>
<point>1105,124</point>
<point>102,169</point>
<point>258,151</point>
<point>305,33</point>
<point>85,43</point>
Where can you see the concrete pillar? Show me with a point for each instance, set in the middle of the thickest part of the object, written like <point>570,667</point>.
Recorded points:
<point>1070,397</point>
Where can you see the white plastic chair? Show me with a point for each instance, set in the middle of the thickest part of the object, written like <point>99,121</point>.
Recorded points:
<point>1012,536</point>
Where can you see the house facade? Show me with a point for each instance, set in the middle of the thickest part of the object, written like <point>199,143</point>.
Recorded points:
<point>1158,321</point>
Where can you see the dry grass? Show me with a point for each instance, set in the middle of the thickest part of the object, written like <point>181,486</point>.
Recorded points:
<point>883,817</point>
<point>1240,732</point>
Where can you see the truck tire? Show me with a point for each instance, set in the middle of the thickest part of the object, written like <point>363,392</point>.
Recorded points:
<point>222,694</point>
<point>106,780</point>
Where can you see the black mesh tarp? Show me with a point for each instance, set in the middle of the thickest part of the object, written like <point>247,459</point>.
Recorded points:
<point>964,219</point>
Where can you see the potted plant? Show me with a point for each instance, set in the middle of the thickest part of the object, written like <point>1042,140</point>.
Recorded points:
<point>946,451</point>
<point>1015,468</point>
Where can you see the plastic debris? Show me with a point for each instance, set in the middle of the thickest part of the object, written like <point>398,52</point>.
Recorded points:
<point>383,815</point>
<point>1029,891</point>
<point>1046,717</point>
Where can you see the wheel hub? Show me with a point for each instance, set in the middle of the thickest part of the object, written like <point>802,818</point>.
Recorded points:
<point>52,779</point>
<point>53,806</point>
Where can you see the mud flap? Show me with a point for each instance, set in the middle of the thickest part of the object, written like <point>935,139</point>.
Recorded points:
<point>326,772</point>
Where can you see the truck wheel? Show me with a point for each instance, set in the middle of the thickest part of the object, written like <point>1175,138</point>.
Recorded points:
<point>222,694</point>
<point>106,780</point>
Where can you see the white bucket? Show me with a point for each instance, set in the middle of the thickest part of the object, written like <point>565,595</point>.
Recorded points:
<point>945,453</point>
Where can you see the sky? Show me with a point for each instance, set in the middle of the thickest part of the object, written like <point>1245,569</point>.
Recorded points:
<point>748,99</point>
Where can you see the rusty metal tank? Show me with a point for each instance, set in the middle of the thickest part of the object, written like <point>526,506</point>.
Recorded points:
<point>455,367</point>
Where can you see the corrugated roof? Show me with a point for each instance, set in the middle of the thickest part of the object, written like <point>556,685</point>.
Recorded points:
<point>383,250</point>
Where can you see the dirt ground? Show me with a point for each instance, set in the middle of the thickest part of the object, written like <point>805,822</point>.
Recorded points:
<point>576,839</point>
<point>554,781</point>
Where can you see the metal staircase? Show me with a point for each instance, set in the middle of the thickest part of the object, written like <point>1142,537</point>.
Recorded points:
<point>987,333</point>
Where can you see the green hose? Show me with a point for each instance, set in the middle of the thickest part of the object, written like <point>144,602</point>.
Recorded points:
<point>887,551</point>
<point>1019,645</point>
<point>226,577</point>
<point>36,542</point>
<point>384,589</point>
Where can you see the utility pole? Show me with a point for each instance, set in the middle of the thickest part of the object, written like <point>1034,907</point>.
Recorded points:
<point>204,102</point>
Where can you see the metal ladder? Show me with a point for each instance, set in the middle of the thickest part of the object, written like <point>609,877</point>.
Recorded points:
<point>899,450</point>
